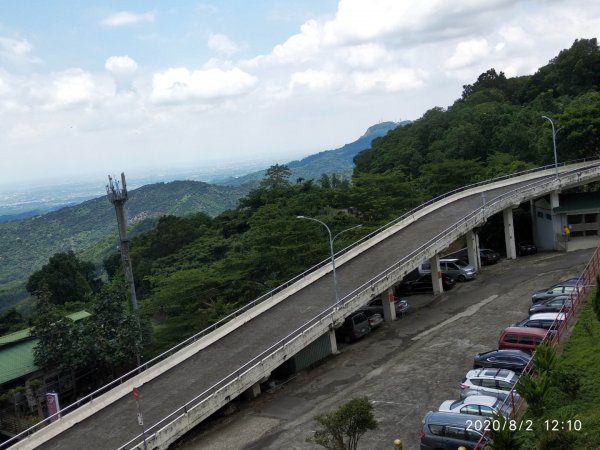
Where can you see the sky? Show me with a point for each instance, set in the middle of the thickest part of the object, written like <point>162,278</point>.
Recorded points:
<point>90,88</point>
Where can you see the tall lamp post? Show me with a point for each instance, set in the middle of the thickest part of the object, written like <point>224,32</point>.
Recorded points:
<point>553,143</point>
<point>331,240</point>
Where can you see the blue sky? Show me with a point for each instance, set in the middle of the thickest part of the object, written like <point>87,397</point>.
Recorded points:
<point>91,88</point>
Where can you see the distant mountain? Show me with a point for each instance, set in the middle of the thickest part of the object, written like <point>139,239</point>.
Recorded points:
<point>90,228</point>
<point>338,161</point>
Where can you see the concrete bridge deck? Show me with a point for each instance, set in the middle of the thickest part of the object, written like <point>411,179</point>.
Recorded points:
<point>116,424</point>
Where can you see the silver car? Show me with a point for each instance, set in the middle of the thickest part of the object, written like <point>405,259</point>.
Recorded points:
<point>493,382</point>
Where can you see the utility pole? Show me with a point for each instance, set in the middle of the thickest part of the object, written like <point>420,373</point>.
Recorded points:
<point>118,196</point>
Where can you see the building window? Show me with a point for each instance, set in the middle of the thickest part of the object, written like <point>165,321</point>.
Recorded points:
<point>548,216</point>
<point>590,218</point>
<point>540,214</point>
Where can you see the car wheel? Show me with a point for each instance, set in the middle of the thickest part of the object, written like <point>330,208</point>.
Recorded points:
<point>461,278</point>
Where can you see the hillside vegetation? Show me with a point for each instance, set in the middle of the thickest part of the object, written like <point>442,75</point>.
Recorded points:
<point>90,227</point>
<point>192,270</point>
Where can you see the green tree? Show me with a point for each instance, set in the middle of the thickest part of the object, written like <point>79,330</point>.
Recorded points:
<point>535,392</point>
<point>66,278</point>
<point>503,436</point>
<point>276,177</point>
<point>342,428</point>
<point>105,341</point>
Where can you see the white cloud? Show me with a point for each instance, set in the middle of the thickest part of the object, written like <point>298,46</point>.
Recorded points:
<point>468,53</point>
<point>222,44</point>
<point>126,18</point>
<point>15,47</point>
<point>387,80</point>
<point>182,85</point>
<point>121,65</point>
<point>365,55</point>
<point>313,79</point>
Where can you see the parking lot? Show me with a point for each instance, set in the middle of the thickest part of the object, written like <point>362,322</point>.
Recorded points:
<point>405,368</point>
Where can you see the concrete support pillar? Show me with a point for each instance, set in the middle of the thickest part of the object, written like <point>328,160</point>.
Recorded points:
<point>556,225</point>
<point>534,224</point>
<point>509,234</point>
<point>389,307</point>
<point>436,275</point>
<point>253,391</point>
<point>473,249</point>
<point>333,341</point>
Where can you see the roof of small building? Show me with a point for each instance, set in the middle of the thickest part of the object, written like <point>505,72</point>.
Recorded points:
<point>16,351</point>
<point>582,201</point>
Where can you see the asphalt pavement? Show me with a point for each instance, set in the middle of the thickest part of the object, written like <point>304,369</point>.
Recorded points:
<point>405,368</point>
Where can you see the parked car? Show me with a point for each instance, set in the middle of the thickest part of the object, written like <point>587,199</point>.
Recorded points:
<point>423,284</point>
<point>526,248</point>
<point>554,291</point>
<point>488,256</point>
<point>449,431</point>
<point>376,306</point>
<point>514,360</point>
<point>522,338</point>
<point>375,319</point>
<point>453,267</point>
<point>573,280</point>
<point>493,382</point>
<point>547,321</point>
<point>561,303</point>
<point>478,405</point>
<point>355,326</point>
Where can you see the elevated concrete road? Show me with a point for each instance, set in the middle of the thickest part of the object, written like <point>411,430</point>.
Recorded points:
<point>117,423</point>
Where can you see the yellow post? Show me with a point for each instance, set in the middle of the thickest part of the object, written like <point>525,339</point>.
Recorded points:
<point>397,444</point>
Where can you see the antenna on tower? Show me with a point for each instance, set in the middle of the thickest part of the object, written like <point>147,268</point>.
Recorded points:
<point>118,196</point>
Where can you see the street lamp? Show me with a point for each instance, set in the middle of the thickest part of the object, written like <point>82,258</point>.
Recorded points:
<point>331,240</point>
<point>553,143</point>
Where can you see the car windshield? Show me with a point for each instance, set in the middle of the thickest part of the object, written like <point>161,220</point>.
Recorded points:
<point>461,263</point>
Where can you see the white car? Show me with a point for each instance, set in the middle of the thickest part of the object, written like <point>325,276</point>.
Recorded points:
<point>490,382</point>
<point>478,405</point>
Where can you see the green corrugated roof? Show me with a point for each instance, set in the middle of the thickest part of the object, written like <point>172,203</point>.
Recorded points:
<point>78,315</point>
<point>578,202</point>
<point>16,336</point>
<point>16,351</point>
<point>16,360</point>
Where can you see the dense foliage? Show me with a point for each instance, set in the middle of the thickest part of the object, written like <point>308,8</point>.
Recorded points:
<point>105,342</point>
<point>190,271</point>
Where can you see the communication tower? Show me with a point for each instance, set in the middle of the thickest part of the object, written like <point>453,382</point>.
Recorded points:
<point>118,196</point>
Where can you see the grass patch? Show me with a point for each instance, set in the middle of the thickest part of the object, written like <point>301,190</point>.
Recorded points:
<point>582,356</point>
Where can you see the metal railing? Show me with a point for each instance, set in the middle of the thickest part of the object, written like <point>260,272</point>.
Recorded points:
<point>463,223</point>
<point>475,216</point>
<point>555,334</point>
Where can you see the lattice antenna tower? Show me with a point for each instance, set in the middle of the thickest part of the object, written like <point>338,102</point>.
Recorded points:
<point>118,196</point>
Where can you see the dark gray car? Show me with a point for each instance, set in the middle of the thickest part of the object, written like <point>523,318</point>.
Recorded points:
<point>448,431</point>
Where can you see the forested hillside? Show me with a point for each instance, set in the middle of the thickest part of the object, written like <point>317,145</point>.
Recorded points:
<point>190,271</point>
<point>90,227</point>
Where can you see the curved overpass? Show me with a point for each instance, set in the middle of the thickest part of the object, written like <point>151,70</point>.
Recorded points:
<point>183,389</point>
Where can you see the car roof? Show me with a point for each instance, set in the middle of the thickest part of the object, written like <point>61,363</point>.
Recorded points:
<point>485,400</point>
<point>548,316</point>
<point>490,372</point>
<point>449,418</point>
<point>527,330</point>
<point>507,351</point>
